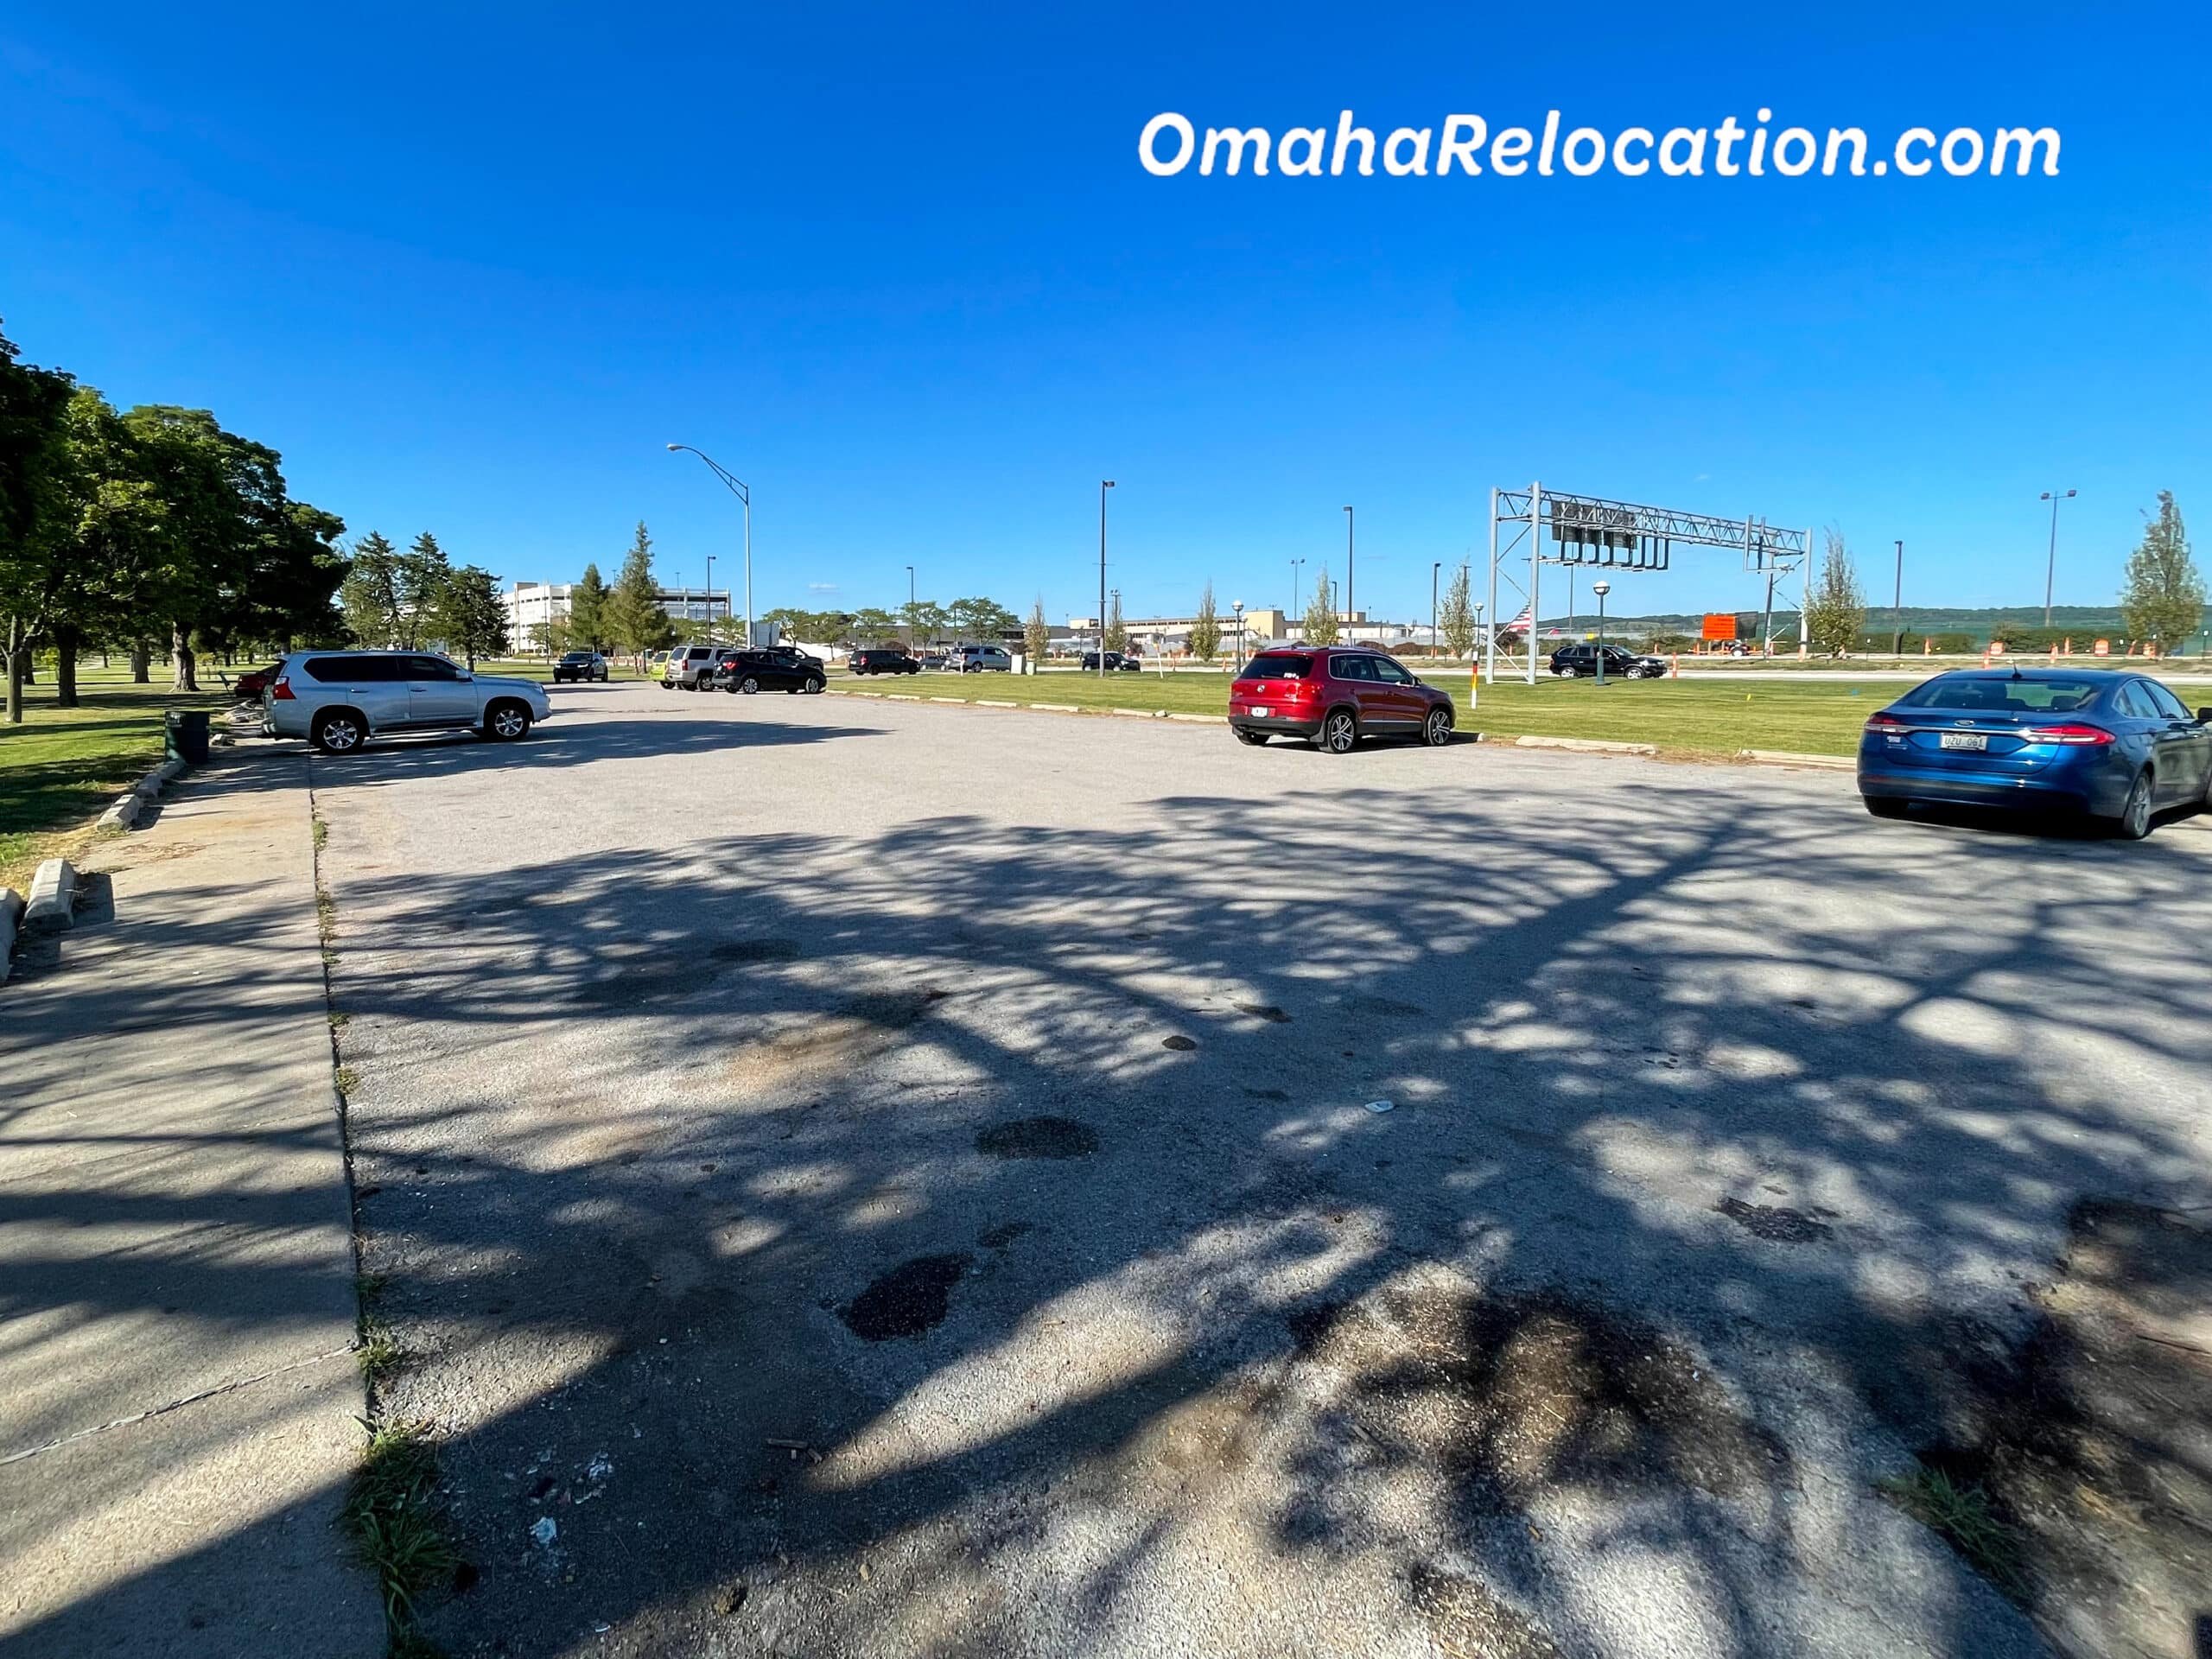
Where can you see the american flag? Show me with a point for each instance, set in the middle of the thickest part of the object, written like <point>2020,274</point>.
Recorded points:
<point>1520,621</point>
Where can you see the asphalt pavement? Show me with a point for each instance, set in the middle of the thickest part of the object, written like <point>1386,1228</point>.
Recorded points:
<point>886,1178</point>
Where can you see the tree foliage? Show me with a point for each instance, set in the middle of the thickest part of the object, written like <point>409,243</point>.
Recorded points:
<point>1835,614</point>
<point>587,611</point>
<point>1116,631</point>
<point>1036,633</point>
<point>634,618</point>
<point>1205,628</point>
<point>1456,622</point>
<point>465,615</point>
<point>2162,595</point>
<point>369,594</point>
<point>1321,614</point>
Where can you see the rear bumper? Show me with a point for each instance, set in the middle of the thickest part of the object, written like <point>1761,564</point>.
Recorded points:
<point>1274,723</point>
<point>2057,794</point>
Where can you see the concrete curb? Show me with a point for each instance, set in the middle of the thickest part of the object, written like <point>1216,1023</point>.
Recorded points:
<point>1586,745</point>
<point>11,911</point>
<point>159,778</point>
<point>1211,720</point>
<point>1784,758</point>
<point>54,891</point>
<point>1056,708</point>
<point>993,703</point>
<point>124,813</point>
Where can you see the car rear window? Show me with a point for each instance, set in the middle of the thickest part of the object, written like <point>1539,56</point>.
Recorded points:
<point>1277,665</point>
<point>2036,697</point>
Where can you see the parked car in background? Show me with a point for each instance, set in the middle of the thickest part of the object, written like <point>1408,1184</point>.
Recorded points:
<point>1115,663</point>
<point>688,668</point>
<point>579,665</point>
<point>980,659</point>
<point>338,699</point>
<point>1579,661</point>
<point>884,659</point>
<point>932,659</point>
<point>249,686</point>
<point>777,668</point>
<point>2114,746</point>
<point>1335,697</point>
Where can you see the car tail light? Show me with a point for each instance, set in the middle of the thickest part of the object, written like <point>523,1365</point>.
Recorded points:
<point>1883,719</point>
<point>282,691</point>
<point>2073,734</point>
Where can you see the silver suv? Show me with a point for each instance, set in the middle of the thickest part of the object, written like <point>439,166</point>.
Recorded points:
<point>690,667</point>
<point>340,699</point>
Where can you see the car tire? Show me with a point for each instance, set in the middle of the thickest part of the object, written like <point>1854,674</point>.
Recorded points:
<point>1339,732</point>
<point>1569,672</point>
<point>1255,740</point>
<point>338,731</point>
<point>506,721</point>
<point>1436,730</point>
<point>2134,820</point>
<point>813,686</point>
<point>1888,806</point>
<point>749,685</point>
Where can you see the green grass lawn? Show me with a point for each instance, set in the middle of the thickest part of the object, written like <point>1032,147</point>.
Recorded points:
<point>1698,718</point>
<point>63,767</point>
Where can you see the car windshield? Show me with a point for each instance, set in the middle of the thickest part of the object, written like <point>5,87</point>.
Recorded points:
<point>577,657</point>
<point>1969,695</point>
<point>1277,666</point>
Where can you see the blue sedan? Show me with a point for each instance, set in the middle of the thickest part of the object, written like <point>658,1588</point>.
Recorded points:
<point>2114,746</point>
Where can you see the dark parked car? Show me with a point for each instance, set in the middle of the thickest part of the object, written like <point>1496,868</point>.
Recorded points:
<point>1333,698</point>
<point>1115,663</point>
<point>1580,660</point>
<point>580,665</point>
<point>889,659</point>
<point>777,668</point>
<point>2115,746</point>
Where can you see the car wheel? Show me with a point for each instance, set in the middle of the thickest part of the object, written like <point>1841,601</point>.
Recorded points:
<point>2134,820</point>
<point>338,732</point>
<point>1569,672</point>
<point>1340,732</point>
<point>749,685</point>
<point>507,722</point>
<point>812,687</point>
<point>1436,730</point>
<point>1887,806</point>
<point>1256,739</point>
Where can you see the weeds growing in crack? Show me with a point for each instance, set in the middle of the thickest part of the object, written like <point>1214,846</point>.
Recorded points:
<point>1960,1512</point>
<point>398,1525</point>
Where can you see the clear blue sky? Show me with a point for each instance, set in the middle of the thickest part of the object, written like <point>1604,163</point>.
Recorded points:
<point>902,272</point>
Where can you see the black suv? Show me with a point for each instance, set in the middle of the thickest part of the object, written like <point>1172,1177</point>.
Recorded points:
<point>889,659</point>
<point>777,668</point>
<point>580,665</point>
<point>1572,661</point>
<point>1115,663</point>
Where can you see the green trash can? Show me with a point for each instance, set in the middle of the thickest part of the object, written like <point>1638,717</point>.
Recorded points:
<point>187,736</point>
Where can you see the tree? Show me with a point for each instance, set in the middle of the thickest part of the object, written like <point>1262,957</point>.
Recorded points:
<point>1205,631</point>
<point>873,625</point>
<point>34,463</point>
<point>632,617</point>
<point>1036,633</point>
<point>982,621</point>
<point>925,619</point>
<point>369,596</point>
<point>467,614</point>
<point>587,610</point>
<point>1457,620</point>
<point>1835,615</point>
<point>2162,600</point>
<point>1320,614</point>
<point>423,573</point>
<point>1117,632</point>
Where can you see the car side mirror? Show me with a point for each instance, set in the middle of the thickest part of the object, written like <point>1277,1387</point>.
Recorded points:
<point>2204,716</point>
<point>464,675</point>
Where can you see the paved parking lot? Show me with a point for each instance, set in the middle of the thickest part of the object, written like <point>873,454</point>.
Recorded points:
<point>892,1180</point>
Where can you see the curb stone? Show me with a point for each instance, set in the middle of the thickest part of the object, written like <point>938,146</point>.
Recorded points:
<point>1210,719</point>
<point>1586,745</point>
<point>124,813</point>
<point>53,890</point>
<point>1784,758</point>
<point>11,910</point>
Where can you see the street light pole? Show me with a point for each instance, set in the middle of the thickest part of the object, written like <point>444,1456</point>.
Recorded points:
<point>1297,575</point>
<point>1104,485</point>
<point>1433,571</point>
<point>710,599</point>
<point>2051,570</point>
<point>910,610</point>
<point>738,488</point>
<point>1236,606</point>
<point>1896,607</point>
<point>1601,588</point>
<point>1355,638</point>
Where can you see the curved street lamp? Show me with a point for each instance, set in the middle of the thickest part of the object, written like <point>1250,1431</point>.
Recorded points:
<point>1601,588</point>
<point>737,487</point>
<point>2051,570</point>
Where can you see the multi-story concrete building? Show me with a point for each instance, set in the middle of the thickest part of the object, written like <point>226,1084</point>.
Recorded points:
<point>531,605</point>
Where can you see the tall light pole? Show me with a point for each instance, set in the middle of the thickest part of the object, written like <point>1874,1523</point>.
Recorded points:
<point>738,488</point>
<point>710,599</point>
<point>1104,485</point>
<point>1297,575</point>
<point>1433,571</point>
<point>1897,608</point>
<point>2051,570</point>
<point>1601,588</point>
<point>910,604</point>
<point>1355,638</point>
<point>1236,607</point>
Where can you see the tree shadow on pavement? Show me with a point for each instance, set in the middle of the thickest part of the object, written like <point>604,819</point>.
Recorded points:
<point>1718,1152</point>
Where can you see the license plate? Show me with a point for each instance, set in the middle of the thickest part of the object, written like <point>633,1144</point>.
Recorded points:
<point>1964,740</point>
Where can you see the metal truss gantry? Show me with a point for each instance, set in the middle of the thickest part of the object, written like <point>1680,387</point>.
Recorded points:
<point>1590,530</point>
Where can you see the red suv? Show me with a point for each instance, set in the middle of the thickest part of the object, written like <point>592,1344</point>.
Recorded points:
<point>1333,696</point>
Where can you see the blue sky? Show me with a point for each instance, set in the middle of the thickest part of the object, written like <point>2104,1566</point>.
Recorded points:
<point>472,268</point>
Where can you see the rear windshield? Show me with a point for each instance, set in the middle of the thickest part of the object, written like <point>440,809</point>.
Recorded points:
<point>2037,696</point>
<point>1273,665</point>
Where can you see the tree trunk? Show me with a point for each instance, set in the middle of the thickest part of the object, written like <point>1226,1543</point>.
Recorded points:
<point>185,664</point>
<point>65,667</point>
<point>14,652</point>
<point>141,663</point>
